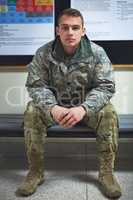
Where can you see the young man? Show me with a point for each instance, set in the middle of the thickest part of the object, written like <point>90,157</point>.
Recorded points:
<point>70,79</point>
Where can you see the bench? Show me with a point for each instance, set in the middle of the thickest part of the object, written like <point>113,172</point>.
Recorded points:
<point>11,127</point>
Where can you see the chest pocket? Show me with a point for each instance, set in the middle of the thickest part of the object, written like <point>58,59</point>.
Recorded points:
<point>57,75</point>
<point>82,74</point>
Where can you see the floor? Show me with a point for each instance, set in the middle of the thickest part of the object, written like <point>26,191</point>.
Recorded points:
<point>68,177</point>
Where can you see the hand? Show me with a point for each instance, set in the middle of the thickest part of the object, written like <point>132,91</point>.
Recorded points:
<point>58,113</point>
<point>74,115</point>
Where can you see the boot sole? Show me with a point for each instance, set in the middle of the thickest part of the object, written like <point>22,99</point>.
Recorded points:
<point>23,193</point>
<point>115,195</point>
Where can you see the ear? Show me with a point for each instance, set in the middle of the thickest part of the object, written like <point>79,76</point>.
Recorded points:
<point>57,30</point>
<point>83,31</point>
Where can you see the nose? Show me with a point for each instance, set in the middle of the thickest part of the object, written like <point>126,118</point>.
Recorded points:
<point>70,30</point>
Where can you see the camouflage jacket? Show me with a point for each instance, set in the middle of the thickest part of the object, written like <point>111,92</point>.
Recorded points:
<point>86,78</point>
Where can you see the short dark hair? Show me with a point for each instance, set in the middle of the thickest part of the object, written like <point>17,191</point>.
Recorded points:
<point>70,12</point>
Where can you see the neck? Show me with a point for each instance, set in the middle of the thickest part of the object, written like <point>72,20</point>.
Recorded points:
<point>70,50</point>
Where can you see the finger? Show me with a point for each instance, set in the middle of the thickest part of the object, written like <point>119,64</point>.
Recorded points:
<point>65,119</point>
<point>69,122</point>
<point>63,114</point>
<point>69,125</point>
<point>73,124</point>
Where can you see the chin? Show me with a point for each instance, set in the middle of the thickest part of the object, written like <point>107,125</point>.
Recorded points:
<point>72,45</point>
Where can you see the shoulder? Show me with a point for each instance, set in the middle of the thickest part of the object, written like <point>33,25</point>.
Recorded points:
<point>96,49</point>
<point>98,52</point>
<point>41,56</point>
<point>45,49</point>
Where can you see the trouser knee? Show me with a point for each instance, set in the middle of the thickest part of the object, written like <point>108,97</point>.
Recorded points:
<point>34,128</point>
<point>107,130</point>
<point>32,116</point>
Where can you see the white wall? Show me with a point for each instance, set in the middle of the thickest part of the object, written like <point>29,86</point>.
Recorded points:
<point>123,99</point>
<point>13,95</point>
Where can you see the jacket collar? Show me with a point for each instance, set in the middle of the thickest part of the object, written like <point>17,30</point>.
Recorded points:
<point>83,50</point>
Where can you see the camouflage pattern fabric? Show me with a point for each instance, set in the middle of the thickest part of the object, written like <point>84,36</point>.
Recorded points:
<point>36,122</point>
<point>85,78</point>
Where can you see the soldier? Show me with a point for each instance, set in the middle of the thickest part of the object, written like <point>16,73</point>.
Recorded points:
<point>70,79</point>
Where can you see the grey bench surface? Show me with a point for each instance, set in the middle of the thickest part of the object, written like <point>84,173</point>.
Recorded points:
<point>11,125</point>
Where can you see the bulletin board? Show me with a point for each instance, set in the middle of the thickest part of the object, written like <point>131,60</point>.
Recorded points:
<point>119,51</point>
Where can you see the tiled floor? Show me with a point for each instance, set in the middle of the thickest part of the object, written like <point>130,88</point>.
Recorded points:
<point>65,179</point>
<point>71,171</point>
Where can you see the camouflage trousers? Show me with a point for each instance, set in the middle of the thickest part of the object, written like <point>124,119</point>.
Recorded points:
<point>105,123</point>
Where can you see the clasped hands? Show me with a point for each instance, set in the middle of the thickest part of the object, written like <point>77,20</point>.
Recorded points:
<point>67,117</point>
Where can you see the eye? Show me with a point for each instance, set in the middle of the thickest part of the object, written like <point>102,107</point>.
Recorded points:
<point>75,28</point>
<point>65,28</point>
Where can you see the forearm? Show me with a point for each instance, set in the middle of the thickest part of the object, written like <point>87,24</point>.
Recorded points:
<point>97,98</point>
<point>42,97</point>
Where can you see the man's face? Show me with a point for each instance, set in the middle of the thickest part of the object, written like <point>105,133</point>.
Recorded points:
<point>70,30</point>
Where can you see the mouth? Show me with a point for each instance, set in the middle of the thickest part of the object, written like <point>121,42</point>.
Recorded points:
<point>70,40</point>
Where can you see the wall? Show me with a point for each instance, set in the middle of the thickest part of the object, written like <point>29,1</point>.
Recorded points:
<point>13,95</point>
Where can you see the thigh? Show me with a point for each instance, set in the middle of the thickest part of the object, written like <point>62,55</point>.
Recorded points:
<point>105,114</point>
<point>35,117</point>
<point>36,123</point>
<point>105,123</point>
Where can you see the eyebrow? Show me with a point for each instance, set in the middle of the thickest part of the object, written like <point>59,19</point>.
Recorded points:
<point>74,26</point>
<point>70,24</point>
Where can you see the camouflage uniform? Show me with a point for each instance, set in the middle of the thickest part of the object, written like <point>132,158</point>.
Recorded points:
<point>86,79</point>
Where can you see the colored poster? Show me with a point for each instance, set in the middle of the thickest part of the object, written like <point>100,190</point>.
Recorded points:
<point>25,25</point>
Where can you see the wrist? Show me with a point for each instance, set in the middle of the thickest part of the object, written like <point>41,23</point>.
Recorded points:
<point>83,109</point>
<point>52,108</point>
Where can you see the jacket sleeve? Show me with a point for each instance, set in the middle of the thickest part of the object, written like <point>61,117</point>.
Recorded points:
<point>103,86</point>
<point>38,83</point>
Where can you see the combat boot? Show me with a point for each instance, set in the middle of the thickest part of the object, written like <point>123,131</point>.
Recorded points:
<point>29,185</point>
<point>109,183</point>
<point>34,177</point>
